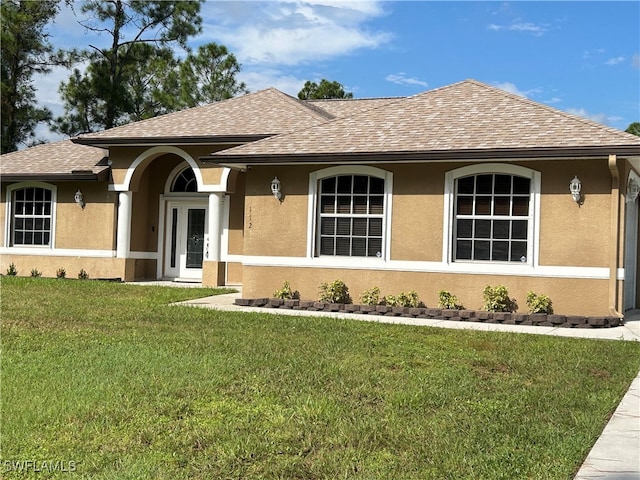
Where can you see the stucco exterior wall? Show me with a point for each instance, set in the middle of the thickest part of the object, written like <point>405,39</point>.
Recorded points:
<point>569,296</point>
<point>91,228</point>
<point>96,267</point>
<point>570,235</point>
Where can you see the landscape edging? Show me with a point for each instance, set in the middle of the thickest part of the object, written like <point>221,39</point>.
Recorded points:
<point>535,319</point>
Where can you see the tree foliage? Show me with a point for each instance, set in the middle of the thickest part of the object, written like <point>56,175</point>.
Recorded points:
<point>25,51</point>
<point>634,128</point>
<point>123,78</point>
<point>210,76</point>
<point>325,89</point>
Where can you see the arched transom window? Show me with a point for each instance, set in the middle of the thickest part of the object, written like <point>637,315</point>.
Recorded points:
<point>185,181</point>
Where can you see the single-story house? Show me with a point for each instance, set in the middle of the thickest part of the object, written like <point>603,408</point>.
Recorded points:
<point>452,189</point>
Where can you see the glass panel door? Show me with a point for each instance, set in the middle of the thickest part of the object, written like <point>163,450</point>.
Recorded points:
<point>195,237</point>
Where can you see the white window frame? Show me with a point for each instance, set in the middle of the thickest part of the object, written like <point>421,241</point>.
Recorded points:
<point>312,227</point>
<point>533,240</point>
<point>9,214</point>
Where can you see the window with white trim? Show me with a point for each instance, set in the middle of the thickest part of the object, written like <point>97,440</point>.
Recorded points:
<point>185,181</point>
<point>492,216</point>
<point>350,216</point>
<point>31,216</point>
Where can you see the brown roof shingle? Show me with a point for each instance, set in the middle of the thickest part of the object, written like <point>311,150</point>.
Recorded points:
<point>54,161</point>
<point>466,116</point>
<point>264,113</point>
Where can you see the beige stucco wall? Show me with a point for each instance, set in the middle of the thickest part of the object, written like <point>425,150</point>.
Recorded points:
<point>570,235</point>
<point>91,228</point>
<point>569,296</point>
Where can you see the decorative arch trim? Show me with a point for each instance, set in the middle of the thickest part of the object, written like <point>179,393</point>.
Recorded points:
<point>154,152</point>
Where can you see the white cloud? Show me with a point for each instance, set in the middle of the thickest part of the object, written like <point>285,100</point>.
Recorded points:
<point>614,61</point>
<point>596,117</point>
<point>290,33</point>
<point>518,26</point>
<point>265,78</point>
<point>511,88</point>
<point>553,100</point>
<point>402,79</point>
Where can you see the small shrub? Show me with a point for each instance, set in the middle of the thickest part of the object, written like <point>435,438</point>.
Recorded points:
<point>35,273</point>
<point>12,270</point>
<point>61,273</point>
<point>334,292</point>
<point>448,301</point>
<point>496,299</point>
<point>285,293</point>
<point>539,303</point>
<point>83,275</point>
<point>370,297</point>
<point>403,299</point>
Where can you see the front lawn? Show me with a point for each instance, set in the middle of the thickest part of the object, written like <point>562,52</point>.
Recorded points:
<point>108,381</point>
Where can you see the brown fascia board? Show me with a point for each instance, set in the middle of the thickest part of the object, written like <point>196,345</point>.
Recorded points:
<point>79,175</point>
<point>151,141</point>
<point>427,156</point>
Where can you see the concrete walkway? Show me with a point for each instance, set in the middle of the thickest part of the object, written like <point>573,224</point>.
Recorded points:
<point>616,453</point>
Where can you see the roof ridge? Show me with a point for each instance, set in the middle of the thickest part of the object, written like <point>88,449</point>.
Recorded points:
<point>177,112</point>
<point>390,97</point>
<point>304,105</point>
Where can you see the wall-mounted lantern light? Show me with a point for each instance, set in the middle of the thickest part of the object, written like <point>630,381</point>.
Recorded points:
<point>633,189</point>
<point>575,186</point>
<point>275,188</point>
<point>79,199</point>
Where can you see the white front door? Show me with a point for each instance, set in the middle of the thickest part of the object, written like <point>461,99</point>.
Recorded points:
<point>185,239</point>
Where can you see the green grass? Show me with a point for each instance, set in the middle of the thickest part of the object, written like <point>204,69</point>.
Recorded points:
<point>111,378</point>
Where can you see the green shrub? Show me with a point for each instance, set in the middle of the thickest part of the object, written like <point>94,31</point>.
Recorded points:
<point>334,292</point>
<point>404,300</point>
<point>35,273</point>
<point>285,293</point>
<point>496,299</point>
<point>12,270</point>
<point>370,297</point>
<point>448,301</point>
<point>61,273</point>
<point>83,275</point>
<point>539,303</point>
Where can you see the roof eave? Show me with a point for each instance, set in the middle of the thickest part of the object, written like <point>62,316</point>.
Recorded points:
<point>77,176</point>
<point>152,141</point>
<point>226,158</point>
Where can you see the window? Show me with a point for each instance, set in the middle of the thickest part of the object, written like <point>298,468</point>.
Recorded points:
<point>31,216</point>
<point>492,216</point>
<point>351,215</point>
<point>185,181</point>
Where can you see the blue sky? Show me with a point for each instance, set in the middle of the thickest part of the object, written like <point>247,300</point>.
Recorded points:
<point>579,57</point>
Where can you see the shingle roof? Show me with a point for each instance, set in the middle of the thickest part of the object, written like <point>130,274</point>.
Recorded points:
<point>341,108</point>
<point>466,116</point>
<point>263,113</point>
<point>54,160</point>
